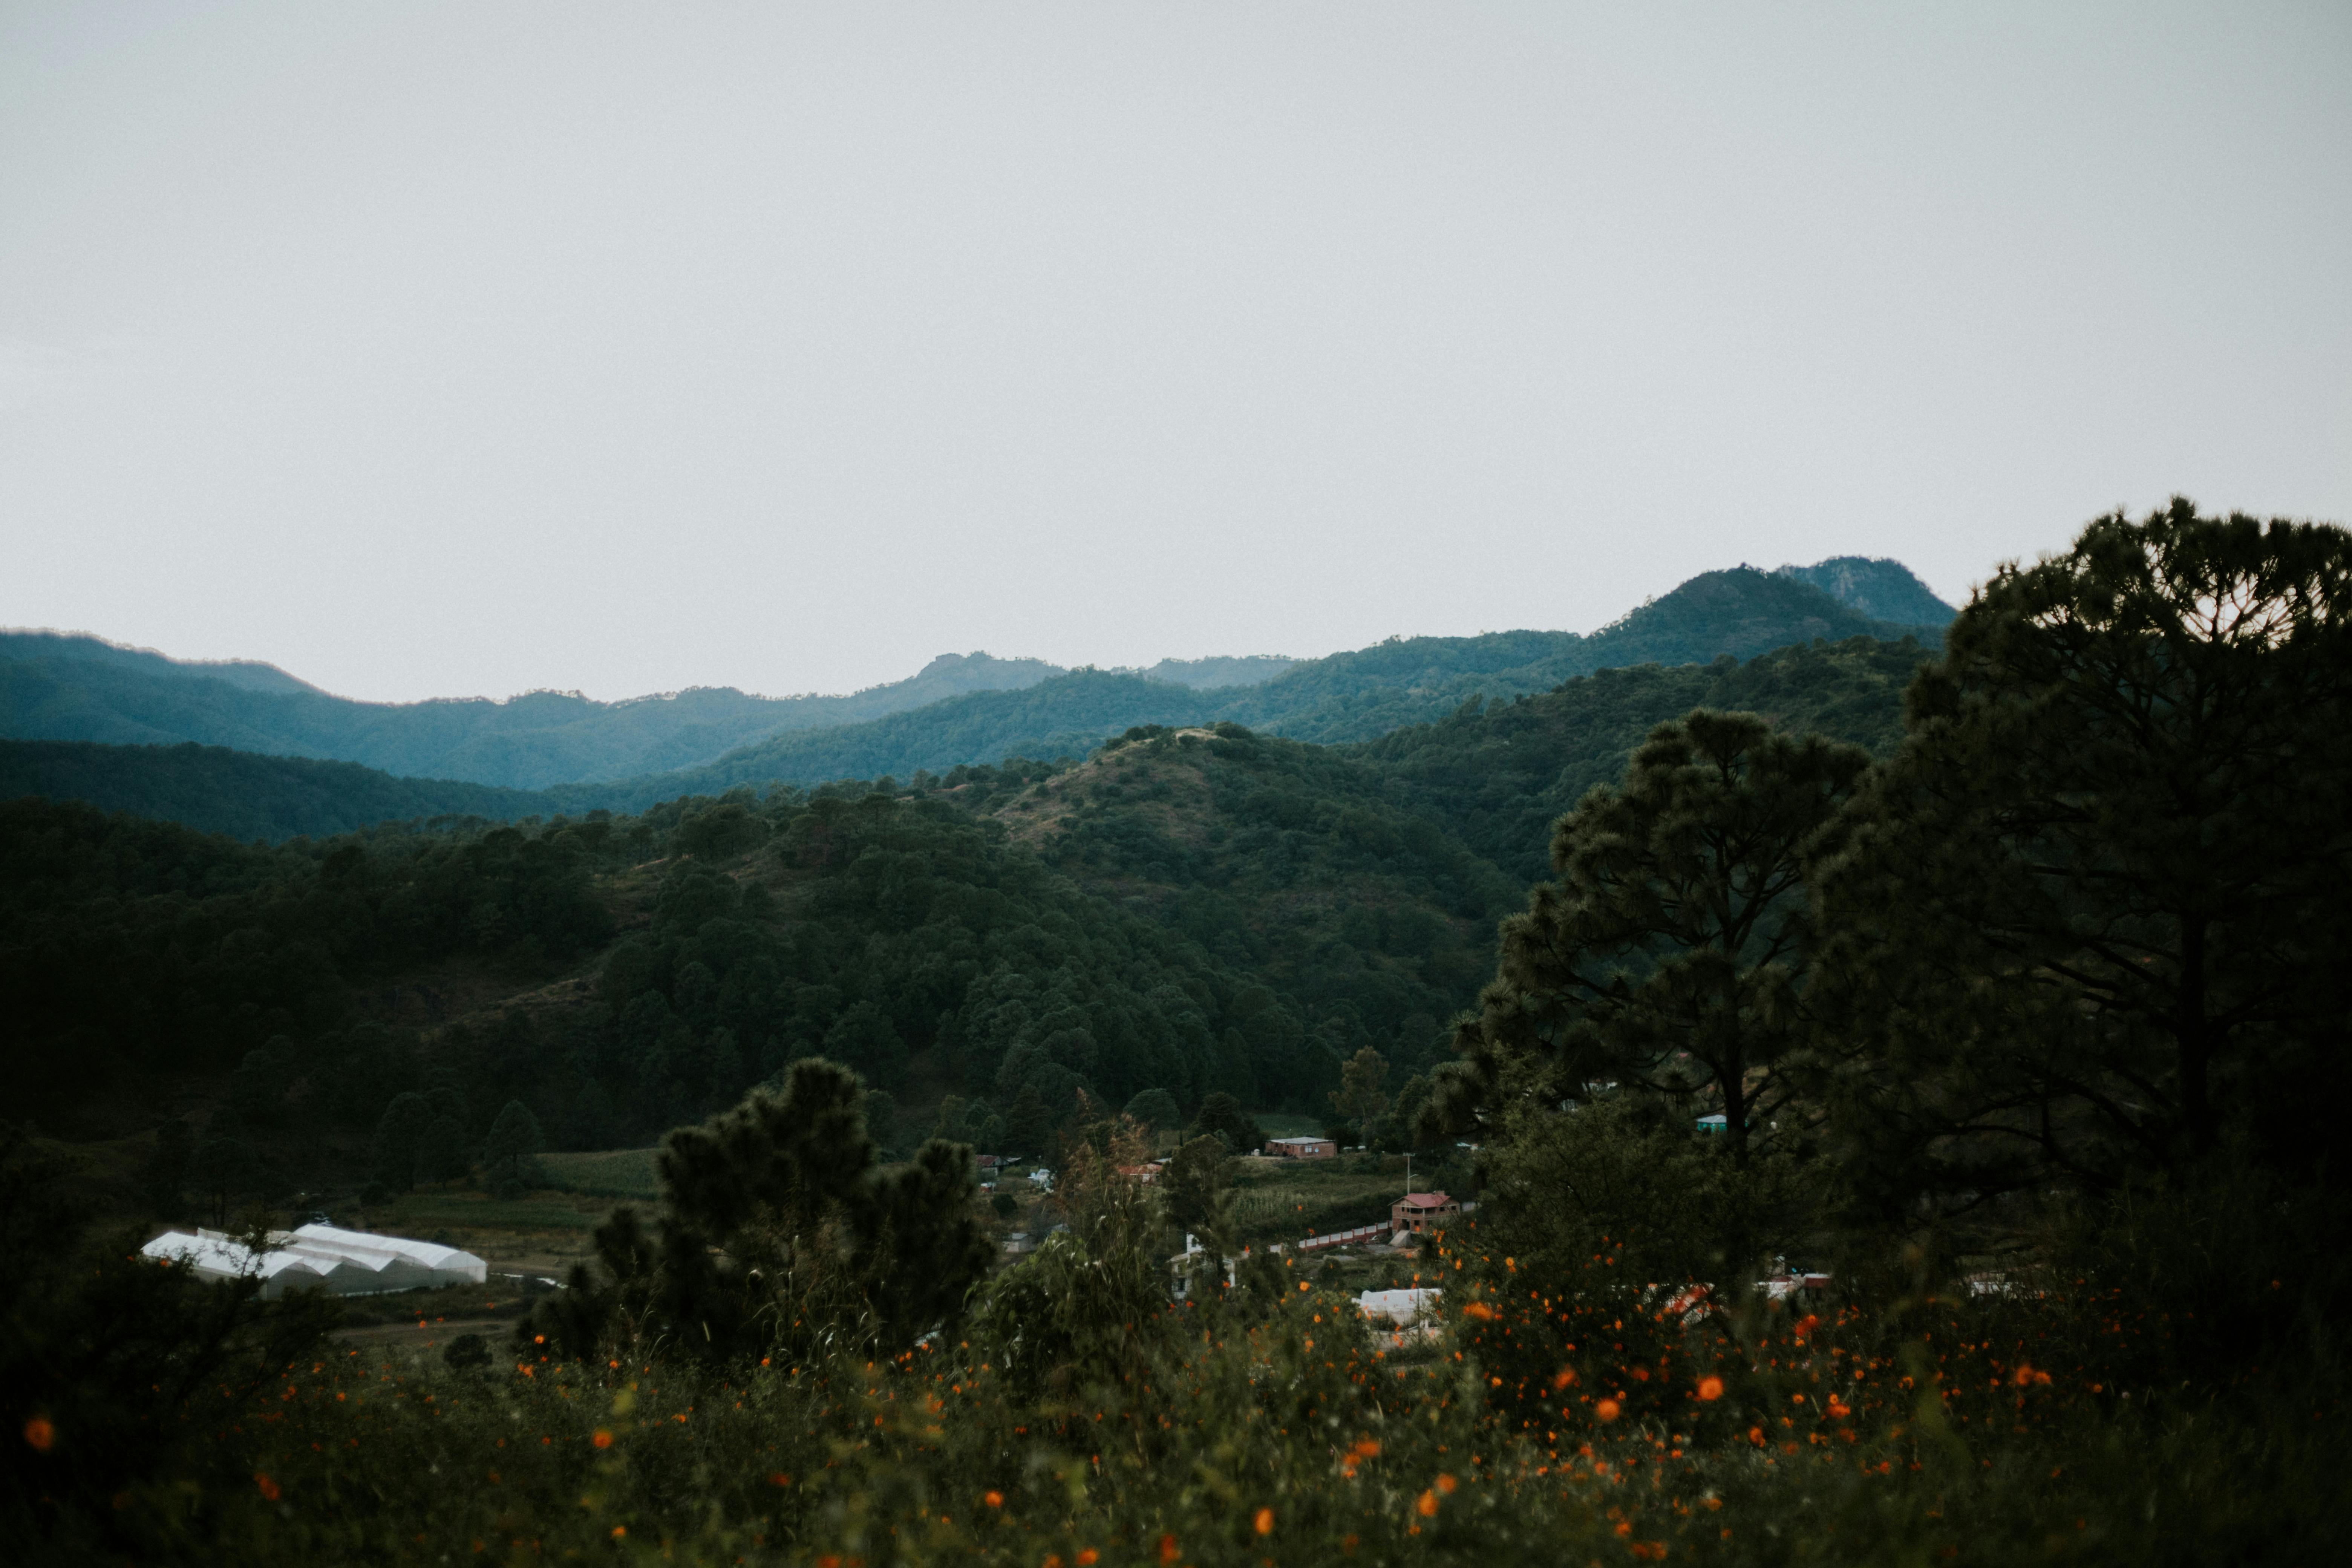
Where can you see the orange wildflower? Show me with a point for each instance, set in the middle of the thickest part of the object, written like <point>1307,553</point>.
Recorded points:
<point>1710,1388</point>
<point>1607,1410</point>
<point>1167,1552</point>
<point>1263,1521</point>
<point>40,1434</point>
<point>268,1487</point>
<point>1086,1558</point>
<point>993,1498</point>
<point>1446,1484</point>
<point>603,1439</point>
<point>1427,1505</point>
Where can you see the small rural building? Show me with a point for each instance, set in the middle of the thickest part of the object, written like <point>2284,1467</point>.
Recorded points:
<point>1401,1307</point>
<point>1419,1212</point>
<point>1301,1148</point>
<point>1786,1283</point>
<point>1191,1265</point>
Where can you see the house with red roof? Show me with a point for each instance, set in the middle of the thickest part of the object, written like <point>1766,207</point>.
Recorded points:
<point>1418,1212</point>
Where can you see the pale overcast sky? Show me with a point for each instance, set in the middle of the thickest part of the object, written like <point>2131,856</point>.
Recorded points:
<point>444,350</point>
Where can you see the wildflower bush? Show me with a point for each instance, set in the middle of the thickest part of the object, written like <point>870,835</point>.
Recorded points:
<point>1080,1419</point>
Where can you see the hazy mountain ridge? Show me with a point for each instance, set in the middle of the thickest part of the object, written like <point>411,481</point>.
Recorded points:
<point>1221,670</point>
<point>958,709</point>
<point>1349,697</point>
<point>250,675</point>
<point>1741,611</point>
<point>81,688</point>
<point>1067,715</point>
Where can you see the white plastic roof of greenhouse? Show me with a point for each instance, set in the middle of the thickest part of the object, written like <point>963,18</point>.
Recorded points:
<point>451,1266</point>
<point>322,1258</point>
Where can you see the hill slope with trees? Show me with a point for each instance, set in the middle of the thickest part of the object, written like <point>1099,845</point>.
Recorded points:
<point>1497,773</point>
<point>215,790</point>
<point>56,687</point>
<point>80,688</point>
<point>1346,696</point>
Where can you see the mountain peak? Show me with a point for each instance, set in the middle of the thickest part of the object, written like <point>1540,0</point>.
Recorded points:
<point>1878,585</point>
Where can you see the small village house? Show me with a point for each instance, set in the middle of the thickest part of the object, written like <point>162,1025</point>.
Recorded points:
<point>1301,1148</point>
<point>1419,1212</point>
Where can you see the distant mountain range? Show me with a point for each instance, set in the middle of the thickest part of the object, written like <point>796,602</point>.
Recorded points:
<point>1357,696</point>
<point>546,751</point>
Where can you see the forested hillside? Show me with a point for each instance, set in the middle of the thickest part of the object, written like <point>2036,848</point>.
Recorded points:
<point>620,977</point>
<point>1067,716</point>
<point>1876,585</point>
<point>1284,860</point>
<point>1359,696</point>
<point>215,790</point>
<point>79,688</point>
<point>1346,696</point>
<point>1192,909</point>
<point>250,675</point>
<point>1497,775</point>
<point>957,710</point>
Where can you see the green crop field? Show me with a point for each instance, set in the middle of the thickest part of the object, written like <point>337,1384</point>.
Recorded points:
<point>421,1214</point>
<point>1281,1200</point>
<point>612,1173</point>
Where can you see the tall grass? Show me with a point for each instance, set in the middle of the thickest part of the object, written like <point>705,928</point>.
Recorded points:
<point>1281,1430</point>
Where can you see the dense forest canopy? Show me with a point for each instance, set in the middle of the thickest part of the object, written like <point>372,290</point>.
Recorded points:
<point>1306,903</point>
<point>244,794</point>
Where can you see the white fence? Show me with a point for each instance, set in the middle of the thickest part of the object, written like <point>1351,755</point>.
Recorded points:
<point>1337,1239</point>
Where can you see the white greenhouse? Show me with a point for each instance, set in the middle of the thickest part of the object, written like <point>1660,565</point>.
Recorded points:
<point>322,1258</point>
